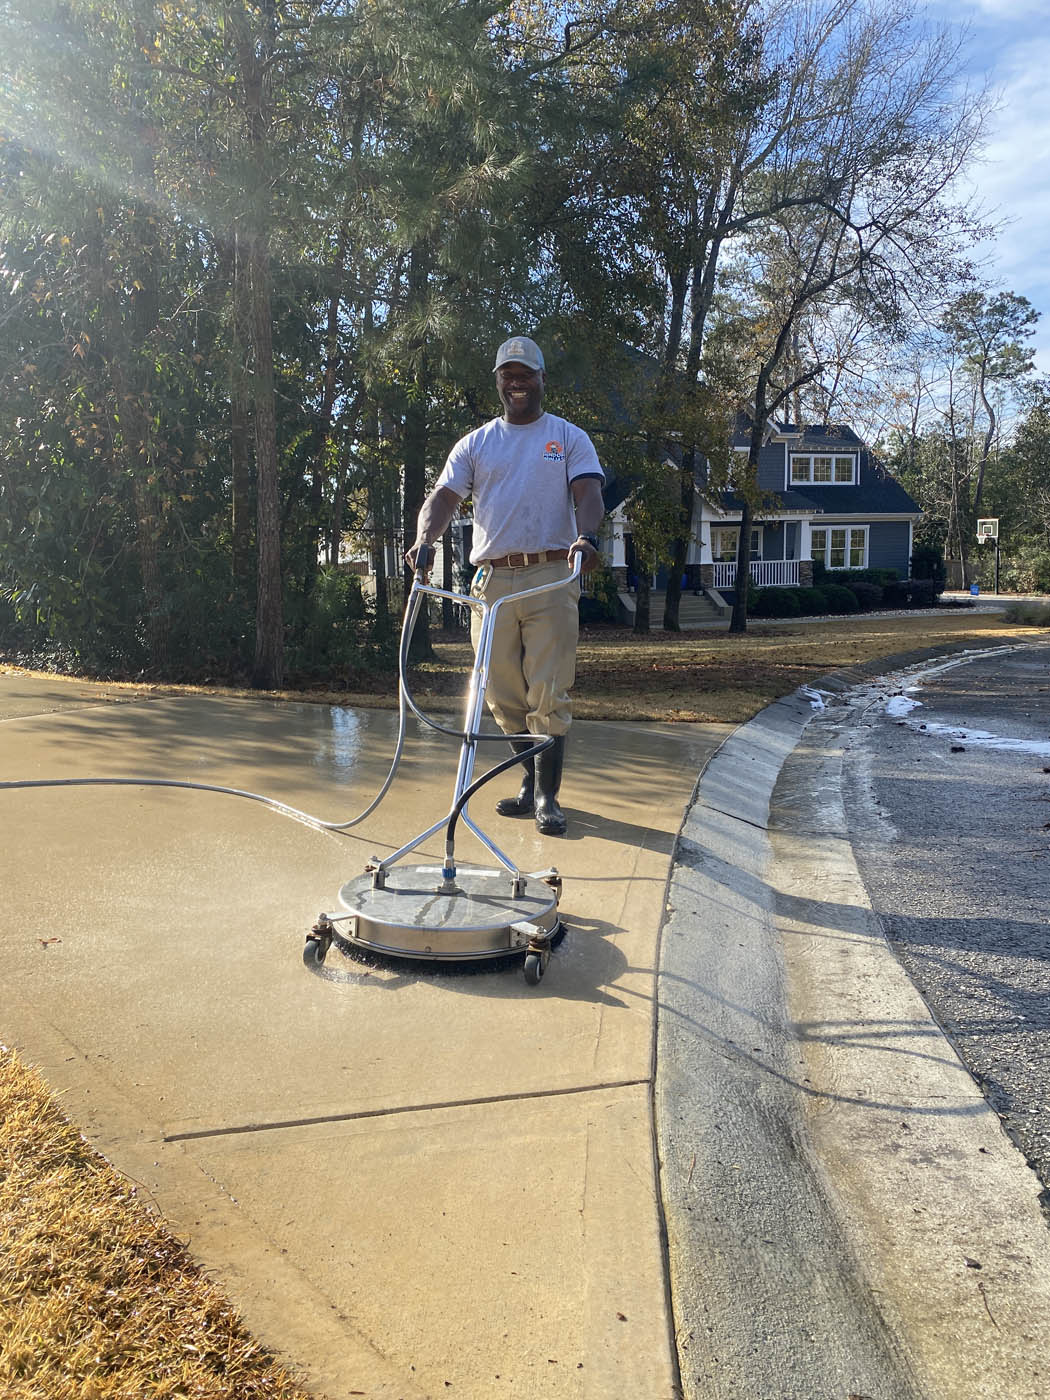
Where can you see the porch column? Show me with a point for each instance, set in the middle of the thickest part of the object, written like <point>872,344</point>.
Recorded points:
<point>616,550</point>
<point>805,554</point>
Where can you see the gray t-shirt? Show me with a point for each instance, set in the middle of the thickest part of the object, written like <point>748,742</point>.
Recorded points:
<point>519,477</point>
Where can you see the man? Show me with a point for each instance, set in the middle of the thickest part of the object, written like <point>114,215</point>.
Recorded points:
<point>535,481</point>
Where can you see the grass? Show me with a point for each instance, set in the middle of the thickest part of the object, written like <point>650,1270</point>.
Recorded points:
<point>706,676</point>
<point>98,1301</point>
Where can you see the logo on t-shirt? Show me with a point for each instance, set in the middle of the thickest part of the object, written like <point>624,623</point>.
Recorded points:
<point>554,452</point>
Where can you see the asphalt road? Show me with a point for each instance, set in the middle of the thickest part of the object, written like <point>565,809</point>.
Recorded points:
<point>946,786</point>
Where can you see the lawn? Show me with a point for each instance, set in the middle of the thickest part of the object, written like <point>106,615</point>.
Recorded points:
<point>97,1300</point>
<point>705,676</point>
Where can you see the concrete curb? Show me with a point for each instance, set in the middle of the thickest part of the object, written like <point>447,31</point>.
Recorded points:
<point>830,1172</point>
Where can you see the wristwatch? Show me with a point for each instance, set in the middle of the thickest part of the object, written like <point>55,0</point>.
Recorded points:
<point>592,540</point>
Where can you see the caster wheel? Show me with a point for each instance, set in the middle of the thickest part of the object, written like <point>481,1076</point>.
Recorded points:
<point>533,968</point>
<point>315,951</point>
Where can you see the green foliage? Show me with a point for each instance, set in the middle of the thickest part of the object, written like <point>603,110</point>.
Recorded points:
<point>415,180</point>
<point>1025,570</point>
<point>922,592</point>
<point>776,602</point>
<point>1028,614</point>
<point>600,603</point>
<point>813,602</point>
<point>868,595</point>
<point>896,594</point>
<point>840,599</point>
<point>927,562</point>
<point>332,633</point>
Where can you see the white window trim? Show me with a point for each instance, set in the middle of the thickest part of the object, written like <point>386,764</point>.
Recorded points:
<point>756,536</point>
<point>794,457</point>
<point>850,530</point>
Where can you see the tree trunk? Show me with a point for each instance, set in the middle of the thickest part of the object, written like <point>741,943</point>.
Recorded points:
<point>416,431</point>
<point>738,621</point>
<point>135,390</point>
<point>240,418</point>
<point>254,37</point>
<point>268,670</point>
<point>642,599</point>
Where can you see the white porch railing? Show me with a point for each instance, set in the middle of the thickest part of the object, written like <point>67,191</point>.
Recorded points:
<point>767,573</point>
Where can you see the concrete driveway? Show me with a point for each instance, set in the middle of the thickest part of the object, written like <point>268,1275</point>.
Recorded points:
<point>412,1183</point>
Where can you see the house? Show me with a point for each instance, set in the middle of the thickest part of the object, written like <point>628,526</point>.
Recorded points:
<point>826,498</point>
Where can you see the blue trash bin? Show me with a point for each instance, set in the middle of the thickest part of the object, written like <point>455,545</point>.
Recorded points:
<point>975,589</point>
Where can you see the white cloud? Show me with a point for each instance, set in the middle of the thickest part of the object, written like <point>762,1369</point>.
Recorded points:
<point>1010,9</point>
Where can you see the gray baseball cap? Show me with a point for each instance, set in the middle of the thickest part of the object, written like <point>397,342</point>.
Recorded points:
<point>520,350</point>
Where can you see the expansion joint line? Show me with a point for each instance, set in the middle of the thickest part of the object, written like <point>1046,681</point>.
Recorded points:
<point>242,1128</point>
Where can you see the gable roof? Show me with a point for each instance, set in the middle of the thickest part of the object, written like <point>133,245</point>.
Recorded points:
<point>875,492</point>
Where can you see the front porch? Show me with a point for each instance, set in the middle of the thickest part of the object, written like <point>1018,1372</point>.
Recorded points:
<point>765,573</point>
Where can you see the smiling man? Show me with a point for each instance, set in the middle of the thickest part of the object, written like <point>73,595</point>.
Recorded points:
<point>535,481</point>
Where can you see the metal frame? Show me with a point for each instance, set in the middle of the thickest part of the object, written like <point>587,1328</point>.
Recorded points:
<point>472,720</point>
<point>457,918</point>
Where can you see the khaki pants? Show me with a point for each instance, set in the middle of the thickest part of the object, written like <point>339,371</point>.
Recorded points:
<point>533,661</point>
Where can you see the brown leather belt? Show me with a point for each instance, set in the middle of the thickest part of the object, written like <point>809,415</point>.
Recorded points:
<point>522,561</point>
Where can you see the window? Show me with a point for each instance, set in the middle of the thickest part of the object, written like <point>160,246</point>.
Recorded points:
<point>724,542</point>
<point>841,546</point>
<point>823,470</point>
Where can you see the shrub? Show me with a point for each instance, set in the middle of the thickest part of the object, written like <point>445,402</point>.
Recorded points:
<point>600,603</point>
<point>840,598</point>
<point>896,594</point>
<point>329,633</point>
<point>879,576</point>
<point>1025,570</point>
<point>927,563</point>
<point>922,592</point>
<point>868,595</point>
<point>777,602</point>
<point>812,601</point>
<point>1029,614</point>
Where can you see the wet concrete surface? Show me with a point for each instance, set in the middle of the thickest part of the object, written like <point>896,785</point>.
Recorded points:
<point>409,1180</point>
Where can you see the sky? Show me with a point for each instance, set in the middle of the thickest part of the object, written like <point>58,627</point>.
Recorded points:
<point>1010,46</point>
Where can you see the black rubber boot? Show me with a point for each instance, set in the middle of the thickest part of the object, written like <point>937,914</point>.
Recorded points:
<point>520,806</point>
<point>550,819</point>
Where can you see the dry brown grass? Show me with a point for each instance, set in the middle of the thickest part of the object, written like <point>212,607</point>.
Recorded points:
<point>706,676</point>
<point>98,1301</point>
<point>696,676</point>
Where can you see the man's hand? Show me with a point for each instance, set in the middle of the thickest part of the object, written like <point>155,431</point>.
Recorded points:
<point>590,556</point>
<point>589,507</point>
<point>414,561</point>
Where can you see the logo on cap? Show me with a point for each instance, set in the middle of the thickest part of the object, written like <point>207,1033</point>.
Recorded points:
<point>519,350</point>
